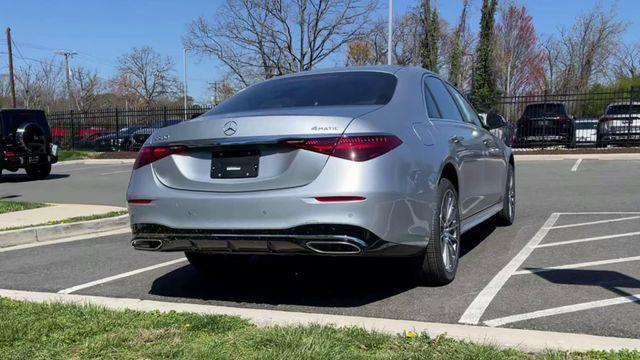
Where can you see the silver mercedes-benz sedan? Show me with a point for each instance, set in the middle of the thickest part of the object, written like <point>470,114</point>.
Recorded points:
<point>361,161</point>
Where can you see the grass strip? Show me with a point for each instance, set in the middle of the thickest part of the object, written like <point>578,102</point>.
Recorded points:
<point>64,331</point>
<point>72,220</point>
<point>64,155</point>
<point>11,206</point>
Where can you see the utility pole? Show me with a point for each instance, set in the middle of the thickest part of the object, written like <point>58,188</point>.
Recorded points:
<point>185,83</point>
<point>67,55</point>
<point>390,34</point>
<point>12,83</point>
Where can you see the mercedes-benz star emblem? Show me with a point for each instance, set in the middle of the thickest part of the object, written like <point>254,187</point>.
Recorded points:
<point>230,128</point>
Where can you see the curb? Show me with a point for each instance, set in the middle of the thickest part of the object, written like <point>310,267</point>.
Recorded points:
<point>95,162</point>
<point>539,157</point>
<point>52,232</point>
<point>524,340</point>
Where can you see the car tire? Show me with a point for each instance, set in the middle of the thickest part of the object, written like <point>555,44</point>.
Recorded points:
<point>440,261</point>
<point>211,264</point>
<point>38,172</point>
<point>507,215</point>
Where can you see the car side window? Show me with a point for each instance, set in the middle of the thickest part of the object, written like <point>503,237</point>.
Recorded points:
<point>432,107</point>
<point>469,114</point>
<point>443,100</point>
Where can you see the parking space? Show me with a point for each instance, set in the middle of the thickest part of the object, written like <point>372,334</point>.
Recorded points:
<point>76,184</point>
<point>570,263</point>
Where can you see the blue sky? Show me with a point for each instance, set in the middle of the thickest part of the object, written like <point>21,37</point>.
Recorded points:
<point>100,31</point>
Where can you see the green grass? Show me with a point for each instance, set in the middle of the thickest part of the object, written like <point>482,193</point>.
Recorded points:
<point>76,155</point>
<point>11,206</point>
<point>62,331</point>
<point>72,220</point>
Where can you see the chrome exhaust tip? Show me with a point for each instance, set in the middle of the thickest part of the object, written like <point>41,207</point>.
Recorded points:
<point>146,244</point>
<point>334,247</point>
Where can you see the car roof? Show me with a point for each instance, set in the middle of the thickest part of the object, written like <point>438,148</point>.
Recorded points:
<point>624,103</point>
<point>389,69</point>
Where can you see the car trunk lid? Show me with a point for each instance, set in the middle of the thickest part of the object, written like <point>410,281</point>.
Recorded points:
<point>245,152</point>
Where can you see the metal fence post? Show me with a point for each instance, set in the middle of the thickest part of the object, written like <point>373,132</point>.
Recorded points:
<point>73,132</point>
<point>117,127</point>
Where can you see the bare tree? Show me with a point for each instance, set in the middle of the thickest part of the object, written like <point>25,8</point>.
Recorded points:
<point>258,39</point>
<point>584,51</point>
<point>627,61</point>
<point>85,86</point>
<point>146,75</point>
<point>519,59</point>
<point>39,84</point>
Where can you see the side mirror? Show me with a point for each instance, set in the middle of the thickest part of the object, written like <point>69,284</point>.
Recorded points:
<point>493,120</point>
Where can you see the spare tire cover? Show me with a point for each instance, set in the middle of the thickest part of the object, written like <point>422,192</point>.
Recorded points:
<point>32,137</point>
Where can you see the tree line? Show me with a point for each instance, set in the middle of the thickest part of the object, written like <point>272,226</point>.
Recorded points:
<point>254,40</point>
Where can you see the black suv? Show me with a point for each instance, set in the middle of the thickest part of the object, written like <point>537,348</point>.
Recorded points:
<point>546,123</point>
<point>25,142</point>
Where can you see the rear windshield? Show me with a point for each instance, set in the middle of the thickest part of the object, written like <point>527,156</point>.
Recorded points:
<point>333,89</point>
<point>623,109</point>
<point>582,125</point>
<point>12,119</point>
<point>544,110</point>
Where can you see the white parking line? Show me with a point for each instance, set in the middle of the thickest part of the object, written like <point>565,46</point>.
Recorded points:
<point>567,242</point>
<point>94,167</point>
<point>578,265</point>
<point>120,276</point>
<point>477,308</point>
<point>116,172</point>
<point>563,310</point>
<point>575,166</point>
<point>596,222</point>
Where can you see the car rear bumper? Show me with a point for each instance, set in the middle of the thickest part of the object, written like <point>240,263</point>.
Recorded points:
<point>22,160</point>
<point>320,239</point>
<point>271,220</point>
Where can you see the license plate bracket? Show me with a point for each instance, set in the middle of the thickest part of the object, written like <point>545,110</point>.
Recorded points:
<point>235,164</point>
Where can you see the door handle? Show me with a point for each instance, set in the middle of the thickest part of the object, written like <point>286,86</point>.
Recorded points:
<point>456,139</point>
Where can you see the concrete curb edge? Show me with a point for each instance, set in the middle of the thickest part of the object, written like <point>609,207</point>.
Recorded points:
<point>60,231</point>
<point>95,162</point>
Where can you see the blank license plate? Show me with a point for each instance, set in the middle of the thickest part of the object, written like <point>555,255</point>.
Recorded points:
<point>233,164</point>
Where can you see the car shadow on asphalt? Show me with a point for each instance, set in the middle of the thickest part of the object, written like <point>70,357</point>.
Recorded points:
<point>19,178</point>
<point>610,280</point>
<point>304,280</point>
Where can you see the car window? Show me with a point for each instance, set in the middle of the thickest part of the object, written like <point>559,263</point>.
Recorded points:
<point>351,88</point>
<point>549,109</point>
<point>432,107</point>
<point>623,109</point>
<point>446,105</point>
<point>469,114</point>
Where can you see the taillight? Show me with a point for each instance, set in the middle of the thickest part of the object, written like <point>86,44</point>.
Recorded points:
<point>149,154</point>
<point>564,117</point>
<point>355,148</point>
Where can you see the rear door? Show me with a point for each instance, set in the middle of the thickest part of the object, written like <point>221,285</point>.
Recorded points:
<point>492,159</point>
<point>464,141</point>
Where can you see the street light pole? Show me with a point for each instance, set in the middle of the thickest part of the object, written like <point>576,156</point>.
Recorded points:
<point>185,83</point>
<point>390,34</point>
<point>67,55</point>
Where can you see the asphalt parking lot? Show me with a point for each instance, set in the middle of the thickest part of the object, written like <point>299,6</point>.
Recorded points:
<point>569,263</point>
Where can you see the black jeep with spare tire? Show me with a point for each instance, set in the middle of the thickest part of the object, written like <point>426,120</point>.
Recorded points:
<point>25,142</point>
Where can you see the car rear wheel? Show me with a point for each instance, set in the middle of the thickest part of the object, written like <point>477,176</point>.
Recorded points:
<point>443,250</point>
<point>39,172</point>
<point>211,264</point>
<point>508,213</point>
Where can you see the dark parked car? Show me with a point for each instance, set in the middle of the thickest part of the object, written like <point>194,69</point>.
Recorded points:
<point>620,124</point>
<point>138,138</point>
<point>545,123</point>
<point>26,142</point>
<point>115,141</point>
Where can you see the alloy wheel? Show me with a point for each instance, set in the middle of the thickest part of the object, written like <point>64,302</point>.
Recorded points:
<point>449,230</point>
